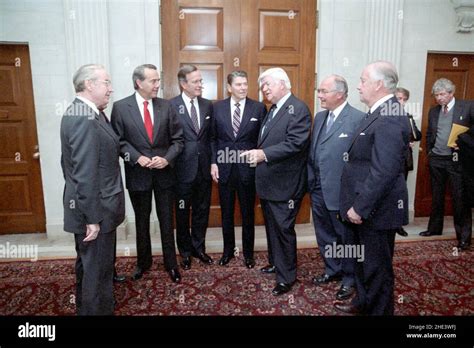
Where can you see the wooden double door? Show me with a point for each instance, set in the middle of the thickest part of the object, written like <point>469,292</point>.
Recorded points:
<point>220,36</point>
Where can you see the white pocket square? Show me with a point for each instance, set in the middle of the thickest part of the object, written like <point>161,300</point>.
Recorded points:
<point>253,119</point>
<point>343,135</point>
<point>362,133</point>
<point>208,117</point>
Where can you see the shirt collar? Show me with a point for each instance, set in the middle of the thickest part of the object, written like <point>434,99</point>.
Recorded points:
<point>338,110</point>
<point>187,100</point>
<point>140,99</point>
<point>451,104</point>
<point>283,100</point>
<point>89,103</point>
<point>380,102</point>
<point>233,102</point>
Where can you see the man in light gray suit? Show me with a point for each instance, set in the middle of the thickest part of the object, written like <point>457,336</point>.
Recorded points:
<point>93,197</point>
<point>332,133</point>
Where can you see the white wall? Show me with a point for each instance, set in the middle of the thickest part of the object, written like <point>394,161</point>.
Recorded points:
<point>134,38</point>
<point>427,25</point>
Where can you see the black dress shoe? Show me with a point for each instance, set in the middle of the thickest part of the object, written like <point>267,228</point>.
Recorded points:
<point>268,269</point>
<point>174,275</point>
<point>429,234</point>
<point>186,263</point>
<point>249,263</point>
<point>119,278</point>
<point>204,258</point>
<point>402,232</point>
<point>463,246</point>
<point>345,292</point>
<point>138,273</point>
<point>225,260</point>
<point>347,308</point>
<point>281,288</point>
<point>325,279</point>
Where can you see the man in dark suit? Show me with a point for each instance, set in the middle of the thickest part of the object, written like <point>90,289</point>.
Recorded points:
<point>237,121</point>
<point>333,130</point>
<point>403,95</point>
<point>93,197</point>
<point>151,138</point>
<point>444,161</point>
<point>281,174</point>
<point>373,193</point>
<point>193,167</point>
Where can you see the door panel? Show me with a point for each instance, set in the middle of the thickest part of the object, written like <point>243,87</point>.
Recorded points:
<point>220,36</point>
<point>21,206</point>
<point>459,68</point>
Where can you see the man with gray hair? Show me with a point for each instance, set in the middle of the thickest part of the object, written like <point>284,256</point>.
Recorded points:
<point>444,161</point>
<point>373,197</point>
<point>93,199</point>
<point>333,130</point>
<point>151,138</point>
<point>281,173</point>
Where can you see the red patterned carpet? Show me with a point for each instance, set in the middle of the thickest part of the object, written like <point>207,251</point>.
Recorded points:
<point>430,280</point>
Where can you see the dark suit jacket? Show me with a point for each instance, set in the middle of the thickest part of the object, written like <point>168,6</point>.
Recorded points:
<point>415,135</point>
<point>373,180</point>
<point>331,151</point>
<point>283,176</point>
<point>197,147</point>
<point>93,191</point>
<point>134,141</point>
<point>463,114</point>
<point>223,141</point>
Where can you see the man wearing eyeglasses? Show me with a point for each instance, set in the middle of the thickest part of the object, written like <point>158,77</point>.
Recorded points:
<point>193,167</point>
<point>93,194</point>
<point>333,130</point>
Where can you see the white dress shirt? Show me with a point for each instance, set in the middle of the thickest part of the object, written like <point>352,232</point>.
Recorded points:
<point>187,102</point>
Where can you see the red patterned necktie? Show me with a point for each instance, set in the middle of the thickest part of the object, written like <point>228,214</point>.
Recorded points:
<point>148,124</point>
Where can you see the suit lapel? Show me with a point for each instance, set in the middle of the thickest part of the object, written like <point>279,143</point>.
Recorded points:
<point>136,116</point>
<point>202,114</point>
<point>228,118</point>
<point>156,118</point>
<point>282,111</point>
<point>108,129</point>
<point>318,125</point>
<point>245,119</point>
<point>364,125</point>
<point>457,112</point>
<point>185,114</point>
<point>337,124</point>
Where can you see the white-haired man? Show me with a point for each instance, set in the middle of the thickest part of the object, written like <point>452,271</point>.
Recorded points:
<point>281,172</point>
<point>374,195</point>
<point>444,161</point>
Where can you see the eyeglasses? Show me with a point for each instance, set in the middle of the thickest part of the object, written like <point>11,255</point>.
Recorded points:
<point>107,83</point>
<point>323,91</point>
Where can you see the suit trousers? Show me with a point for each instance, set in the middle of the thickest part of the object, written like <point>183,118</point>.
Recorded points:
<point>246,195</point>
<point>374,277</point>
<point>280,219</point>
<point>195,195</point>
<point>94,274</point>
<point>329,232</point>
<point>141,202</point>
<point>443,168</point>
